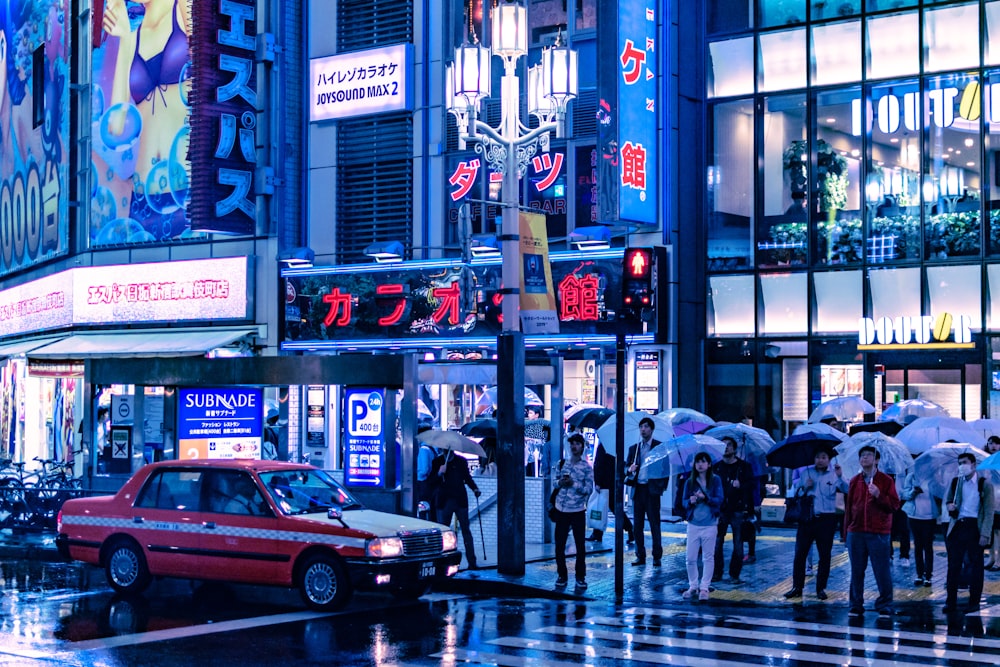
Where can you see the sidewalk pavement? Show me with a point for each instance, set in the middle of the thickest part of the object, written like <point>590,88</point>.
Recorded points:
<point>763,582</point>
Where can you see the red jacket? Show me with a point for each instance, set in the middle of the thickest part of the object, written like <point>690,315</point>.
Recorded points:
<point>867,514</point>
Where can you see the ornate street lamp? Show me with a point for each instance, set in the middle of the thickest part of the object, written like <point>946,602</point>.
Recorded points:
<point>508,150</point>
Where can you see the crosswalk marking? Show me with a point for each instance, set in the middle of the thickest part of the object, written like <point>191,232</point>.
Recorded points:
<point>673,641</point>
<point>702,639</point>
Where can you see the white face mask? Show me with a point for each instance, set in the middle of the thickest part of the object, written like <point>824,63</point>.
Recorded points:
<point>964,469</point>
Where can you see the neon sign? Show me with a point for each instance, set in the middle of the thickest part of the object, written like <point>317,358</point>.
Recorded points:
<point>915,332</point>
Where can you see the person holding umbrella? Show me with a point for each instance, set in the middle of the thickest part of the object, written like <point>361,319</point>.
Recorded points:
<point>703,496</point>
<point>575,480</point>
<point>970,504</point>
<point>871,500</point>
<point>451,473</point>
<point>993,563</point>
<point>820,483</point>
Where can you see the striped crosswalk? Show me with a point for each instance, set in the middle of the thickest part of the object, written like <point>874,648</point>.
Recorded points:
<point>705,639</point>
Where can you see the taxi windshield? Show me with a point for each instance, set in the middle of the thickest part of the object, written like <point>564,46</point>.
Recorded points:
<point>306,491</point>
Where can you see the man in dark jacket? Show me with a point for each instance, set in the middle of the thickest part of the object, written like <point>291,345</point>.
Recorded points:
<point>647,494</point>
<point>452,476</point>
<point>604,478</point>
<point>871,500</point>
<point>737,488</point>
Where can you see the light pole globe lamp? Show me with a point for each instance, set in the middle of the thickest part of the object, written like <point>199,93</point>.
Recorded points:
<point>510,30</point>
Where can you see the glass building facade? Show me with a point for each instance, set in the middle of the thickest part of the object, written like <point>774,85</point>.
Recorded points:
<point>851,205</point>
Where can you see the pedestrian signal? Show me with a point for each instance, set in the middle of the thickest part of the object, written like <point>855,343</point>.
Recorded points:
<point>637,283</point>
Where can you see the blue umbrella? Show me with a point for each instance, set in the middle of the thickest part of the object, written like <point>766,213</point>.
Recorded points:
<point>679,453</point>
<point>991,462</point>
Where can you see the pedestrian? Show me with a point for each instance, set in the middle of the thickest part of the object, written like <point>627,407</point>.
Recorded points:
<point>604,478</point>
<point>751,522</point>
<point>900,528</point>
<point>575,480</point>
<point>922,514</point>
<point>821,484</point>
<point>451,476</point>
<point>871,500</point>
<point>269,449</point>
<point>703,496</point>
<point>646,502</point>
<point>425,480</point>
<point>737,489</point>
<point>970,507</point>
<point>993,551</point>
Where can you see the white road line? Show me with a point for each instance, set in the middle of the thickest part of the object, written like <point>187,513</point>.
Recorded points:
<point>620,654</point>
<point>717,647</point>
<point>463,656</point>
<point>937,637</point>
<point>898,648</point>
<point>193,631</point>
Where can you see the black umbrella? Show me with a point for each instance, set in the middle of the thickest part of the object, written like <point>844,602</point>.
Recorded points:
<point>889,428</point>
<point>590,418</point>
<point>481,428</point>
<point>800,450</point>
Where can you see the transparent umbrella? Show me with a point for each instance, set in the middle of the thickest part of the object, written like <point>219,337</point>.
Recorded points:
<point>488,398</point>
<point>677,455</point>
<point>686,420</point>
<point>986,427</point>
<point>752,443</point>
<point>907,411</point>
<point>925,432</point>
<point>934,469</point>
<point>820,428</point>
<point>894,457</point>
<point>842,408</point>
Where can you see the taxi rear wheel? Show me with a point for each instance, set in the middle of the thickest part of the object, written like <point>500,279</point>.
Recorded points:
<point>125,567</point>
<point>323,584</point>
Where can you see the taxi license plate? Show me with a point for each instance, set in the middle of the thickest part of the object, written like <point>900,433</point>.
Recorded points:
<point>426,570</point>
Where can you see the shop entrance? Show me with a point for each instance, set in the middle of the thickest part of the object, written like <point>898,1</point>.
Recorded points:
<point>957,388</point>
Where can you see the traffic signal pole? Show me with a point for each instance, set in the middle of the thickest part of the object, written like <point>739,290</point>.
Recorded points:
<point>620,461</point>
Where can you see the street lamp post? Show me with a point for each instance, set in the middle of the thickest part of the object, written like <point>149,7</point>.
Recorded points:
<point>508,150</point>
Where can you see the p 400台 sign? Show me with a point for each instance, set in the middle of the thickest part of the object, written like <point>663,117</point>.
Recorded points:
<point>361,84</point>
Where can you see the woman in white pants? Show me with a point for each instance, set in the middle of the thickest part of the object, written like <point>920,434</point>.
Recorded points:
<point>702,500</point>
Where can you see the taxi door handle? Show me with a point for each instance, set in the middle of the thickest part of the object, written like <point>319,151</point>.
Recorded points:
<point>209,524</point>
<point>137,519</point>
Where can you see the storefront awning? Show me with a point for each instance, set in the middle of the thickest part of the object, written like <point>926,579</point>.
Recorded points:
<point>25,346</point>
<point>158,343</point>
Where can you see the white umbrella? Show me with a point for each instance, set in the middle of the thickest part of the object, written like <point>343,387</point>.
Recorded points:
<point>842,408</point>
<point>820,429</point>
<point>934,469</point>
<point>452,440</point>
<point>925,432</point>
<point>894,457</point>
<point>987,427</point>
<point>907,411</point>
<point>662,431</point>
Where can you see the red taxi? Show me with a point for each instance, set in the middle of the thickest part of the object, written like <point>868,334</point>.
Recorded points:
<point>258,522</point>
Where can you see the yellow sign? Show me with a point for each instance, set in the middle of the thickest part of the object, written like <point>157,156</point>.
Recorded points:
<point>538,301</point>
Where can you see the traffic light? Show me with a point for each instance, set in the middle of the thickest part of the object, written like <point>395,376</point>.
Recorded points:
<point>638,283</point>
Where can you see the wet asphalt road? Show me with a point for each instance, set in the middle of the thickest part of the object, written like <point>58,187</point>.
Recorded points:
<point>64,614</point>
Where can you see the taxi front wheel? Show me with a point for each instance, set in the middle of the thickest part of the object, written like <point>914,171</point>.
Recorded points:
<point>125,567</point>
<point>323,584</point>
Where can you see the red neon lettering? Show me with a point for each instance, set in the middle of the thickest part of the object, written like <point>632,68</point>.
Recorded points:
<point>400,307</point>
<point>336,301</point>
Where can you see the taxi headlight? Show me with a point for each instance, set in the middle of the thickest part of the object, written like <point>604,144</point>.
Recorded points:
<point>385,547</point>
<point>449,540</point>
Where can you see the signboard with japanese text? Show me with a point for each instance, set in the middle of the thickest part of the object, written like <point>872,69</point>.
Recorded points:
<point>627,112</point>
<point>364,437</point>
<point>35,141</point>
<point>538,305</point>
<point>647,381</point>
<point>191,290</point>
<point>223,141</point>
<point>222,423</point>
<point>443,299</point>
<point>361,83</point>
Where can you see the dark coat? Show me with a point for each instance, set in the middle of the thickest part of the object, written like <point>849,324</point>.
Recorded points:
<point>736,499</point>
<point>656,485</point>
<point>450,487</point>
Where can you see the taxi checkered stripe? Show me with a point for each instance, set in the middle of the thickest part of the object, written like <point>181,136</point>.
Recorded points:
<point>233,531</point>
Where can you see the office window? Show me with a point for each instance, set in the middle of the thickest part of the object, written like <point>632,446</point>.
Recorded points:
<point>731,305</point>
<point>893,45</point>
<point>730,187</point>
<point>785,301</point>
<point>955,290</point>
<point>730,67</point>
<point>951,37</point>
<point>839,303</point>
<point>783,60</point>
<point>895,292</point>
<point>836,50</point>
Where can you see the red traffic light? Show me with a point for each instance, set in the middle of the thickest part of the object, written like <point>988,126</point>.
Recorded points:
<point>638,262</point>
